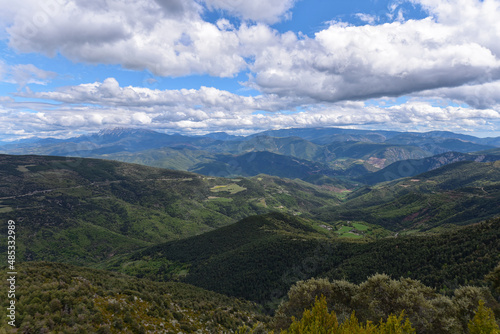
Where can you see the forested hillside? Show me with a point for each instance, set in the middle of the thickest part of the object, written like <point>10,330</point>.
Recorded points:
<point>456,194</point>
<point>260,257</point>
<point>53,298</point>
<point>248,238</point>
<point>86,210</point>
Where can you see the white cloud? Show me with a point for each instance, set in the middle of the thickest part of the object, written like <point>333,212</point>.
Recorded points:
<point>268,11</point>
<point>110,93</point>
<point>481,96</point>
<point>24,74</point>
<point>370,19</point>
<point>141,118</point>
<point>451,55</point>
<point>2,70</point>
<point>170,38</point>
<point>474,20</point>
<point>423,113</point>
<point>141,34</point>
<point>357,62</point>
<point>90,107</point>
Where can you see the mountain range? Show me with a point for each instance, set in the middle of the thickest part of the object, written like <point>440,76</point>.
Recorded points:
<point>213,233</point>
<point>345,153</point>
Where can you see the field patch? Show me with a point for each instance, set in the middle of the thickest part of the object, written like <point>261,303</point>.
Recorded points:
<point>219,199</point>
<point>232,188</point>
<point>357,230</point>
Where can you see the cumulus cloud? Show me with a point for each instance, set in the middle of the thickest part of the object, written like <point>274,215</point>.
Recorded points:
<point>110,93</point>
<point>305,81</point>
<point>268,11</point>
<point>370,19</point>
<point>412,117</point>
<point>106,104</point>
<point>138,34</point>
<point>169,38</point>
<point>482,96</point>
<point>176,8</point>
<point>346,62</point>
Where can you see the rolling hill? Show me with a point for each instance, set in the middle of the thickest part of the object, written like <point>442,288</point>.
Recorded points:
<point>250,238</point>
<point>255,163</point>
<point>85,210</point>
<point>412,167</point>
<point>244,158</point>
<point>457,194</point>
<point>260,257</point>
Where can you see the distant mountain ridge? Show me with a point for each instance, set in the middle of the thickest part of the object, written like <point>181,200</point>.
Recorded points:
<point>319,136</point>
<point>293,153</point>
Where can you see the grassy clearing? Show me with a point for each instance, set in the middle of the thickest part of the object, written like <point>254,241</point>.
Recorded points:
<point>344,229</point>
<point>354,230</point>
<point>232,188</point>
<point>5,209</point>
<point>220,199</point>
<point>360,227</point>
<point>351,235</point>
<point>24,169</point>
<point>410,232</point>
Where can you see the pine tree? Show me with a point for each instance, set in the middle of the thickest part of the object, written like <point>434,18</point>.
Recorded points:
<point>317,320</point>
<point>483,321</point>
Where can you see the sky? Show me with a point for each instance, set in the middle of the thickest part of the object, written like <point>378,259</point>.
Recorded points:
<point>71,67</point>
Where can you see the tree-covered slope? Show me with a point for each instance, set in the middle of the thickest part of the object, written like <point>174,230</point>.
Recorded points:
<point>255,163</point>
<point>412,167</point>
<point>245,259</point>
<point>458,194</point>
<point>53,298</point>
<point>86,210</point>
<point>260,257</point>
<point>178,158</point>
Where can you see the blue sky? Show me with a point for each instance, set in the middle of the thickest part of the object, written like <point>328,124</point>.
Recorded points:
<point>69,67</point>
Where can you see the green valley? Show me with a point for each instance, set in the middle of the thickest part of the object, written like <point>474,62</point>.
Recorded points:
<point>223,251</point>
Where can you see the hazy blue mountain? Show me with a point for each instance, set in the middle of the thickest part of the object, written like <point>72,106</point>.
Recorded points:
<point>178,158</point>
<point>336,152</point>
<point>323,135</point>
<point>365,151</point>
<point>105,142</point>
<point>134,140</point>
<point>492,141</point>
<point>222,136</point>
<point>437,145</point>
<point>328,135</point>
<point>291,146</point>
